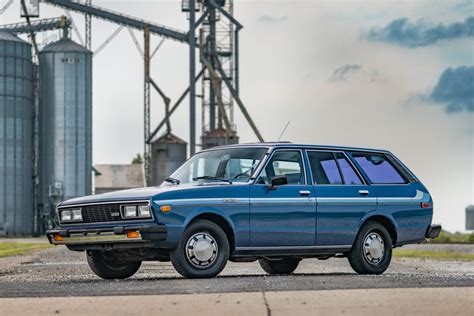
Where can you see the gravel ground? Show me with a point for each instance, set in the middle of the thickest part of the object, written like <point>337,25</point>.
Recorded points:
<point>59,272</point>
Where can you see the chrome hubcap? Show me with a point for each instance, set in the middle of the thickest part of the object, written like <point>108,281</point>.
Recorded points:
<point>201,250</point>
<point>374,248</point>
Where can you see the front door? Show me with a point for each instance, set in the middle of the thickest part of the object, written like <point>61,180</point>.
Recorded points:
<point>284,215</point>
<point>343,198</point>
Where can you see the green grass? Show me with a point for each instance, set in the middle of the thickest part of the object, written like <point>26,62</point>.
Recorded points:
<point>430,254</point>
<point>18,248</point>
<point>448,238</point>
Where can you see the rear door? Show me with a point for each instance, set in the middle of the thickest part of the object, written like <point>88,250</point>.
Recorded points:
<point>343,198</point>
<point>400,195</point>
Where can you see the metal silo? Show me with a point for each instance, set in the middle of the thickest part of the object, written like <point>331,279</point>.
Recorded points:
<point>65,122</point>
<point>16,209</point>
<point>167,153</point>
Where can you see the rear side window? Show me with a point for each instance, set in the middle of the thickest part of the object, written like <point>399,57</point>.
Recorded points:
<point>348,172</point>
<point>378,168</point>
<point>330,168</point>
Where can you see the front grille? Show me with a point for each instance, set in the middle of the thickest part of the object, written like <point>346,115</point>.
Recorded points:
<point>100,213</point>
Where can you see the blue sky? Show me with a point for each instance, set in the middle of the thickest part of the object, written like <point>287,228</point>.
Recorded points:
<point>383,74</point>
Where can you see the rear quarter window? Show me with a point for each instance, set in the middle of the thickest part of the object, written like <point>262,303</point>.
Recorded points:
<point>378,168</point>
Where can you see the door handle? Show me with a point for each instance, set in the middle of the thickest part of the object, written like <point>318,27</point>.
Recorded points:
<point>364,192</point>
<point>305,192</point>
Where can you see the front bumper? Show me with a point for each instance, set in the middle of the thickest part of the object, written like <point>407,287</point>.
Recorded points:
<point>145,234</point>
<point>433,231</point>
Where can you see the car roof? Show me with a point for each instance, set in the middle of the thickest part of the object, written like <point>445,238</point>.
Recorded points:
<point>292,145</point>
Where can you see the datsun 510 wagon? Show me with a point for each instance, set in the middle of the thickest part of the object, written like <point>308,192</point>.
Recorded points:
<point>277,203</point>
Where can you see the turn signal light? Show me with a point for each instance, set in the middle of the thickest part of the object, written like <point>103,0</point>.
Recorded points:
<point>425,205</point>
<point>165,208</point>
<point>133,234</point>
<point>58,238</point>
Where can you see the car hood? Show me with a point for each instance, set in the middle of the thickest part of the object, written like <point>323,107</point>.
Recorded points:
<point>122,195</point>
<point>139,193</point>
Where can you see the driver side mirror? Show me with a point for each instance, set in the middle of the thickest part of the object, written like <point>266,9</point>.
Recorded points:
<point>278,180</point>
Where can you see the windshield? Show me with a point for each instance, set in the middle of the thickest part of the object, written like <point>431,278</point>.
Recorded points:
<point>224,165</point>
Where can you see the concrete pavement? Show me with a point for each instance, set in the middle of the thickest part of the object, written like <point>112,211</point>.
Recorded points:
<point>427,301</point>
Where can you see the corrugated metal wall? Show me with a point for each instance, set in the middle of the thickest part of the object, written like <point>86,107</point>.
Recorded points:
<point>16,209</point>
<point>168,153</point>
<point>65,122</point>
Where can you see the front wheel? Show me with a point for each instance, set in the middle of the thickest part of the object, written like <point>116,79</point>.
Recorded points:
<point>202,252</point>
<point>372,250</point>
<point>107,267</point>
<point>282,266</point>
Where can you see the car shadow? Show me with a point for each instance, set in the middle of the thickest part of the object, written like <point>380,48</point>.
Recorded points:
<point>253,277</point>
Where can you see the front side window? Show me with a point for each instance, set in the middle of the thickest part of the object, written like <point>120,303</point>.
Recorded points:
<point>284,163</point>
<point>229,164</point>
<point>332,168</point>
<point>378,168</point>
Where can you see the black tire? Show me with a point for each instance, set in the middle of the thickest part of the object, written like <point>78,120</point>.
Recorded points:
<point>360,260</point>
<point>107,268</point>
<point>182,260</point>
<point>282,266</point>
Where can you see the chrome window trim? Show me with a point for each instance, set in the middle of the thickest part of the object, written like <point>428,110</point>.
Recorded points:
<point>269,157</point>
<point>350,163</point>
<point>152,219</point>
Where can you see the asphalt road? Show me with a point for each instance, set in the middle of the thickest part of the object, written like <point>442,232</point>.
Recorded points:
<point>58,272</point>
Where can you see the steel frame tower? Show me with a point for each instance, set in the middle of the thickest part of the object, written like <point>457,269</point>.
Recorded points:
<point>217,44</point>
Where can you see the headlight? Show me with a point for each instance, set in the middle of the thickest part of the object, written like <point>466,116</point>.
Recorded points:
<point>74,215</point>
<point>129,211</point>
<point>143,211</point>
<point>135,211</point>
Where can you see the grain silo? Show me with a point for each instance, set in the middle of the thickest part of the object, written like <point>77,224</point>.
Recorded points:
<point>16,209</point>
<point>65,122</point>
<point>167,153</point>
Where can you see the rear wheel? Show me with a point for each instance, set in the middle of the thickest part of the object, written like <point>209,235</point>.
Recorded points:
<point>202,252</point>
<point>372,250</point>
<point>106,267</point>
<point>282,266</point>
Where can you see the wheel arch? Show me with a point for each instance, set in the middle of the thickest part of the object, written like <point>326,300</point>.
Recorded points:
<point>221,221</point>
<point>386,222</point>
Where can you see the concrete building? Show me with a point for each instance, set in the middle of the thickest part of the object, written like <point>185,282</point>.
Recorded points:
<point>110,178</point>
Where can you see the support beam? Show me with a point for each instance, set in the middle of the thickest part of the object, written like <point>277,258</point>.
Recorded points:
<point>146,101</point>
<point>119,18</point>
<point>135,40</point>
<point>167,104</point>
<point>88,27</point>
<point>239,102</point>
<point>35,134</point>
<point>175,106</point>
<point>192,75</point>
<point>226,14</point>
<point>157,47</point>
<point>108,40</point>
<point>37,25</point>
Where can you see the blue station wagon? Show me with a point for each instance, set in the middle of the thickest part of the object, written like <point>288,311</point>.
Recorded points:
<point>277,203</point>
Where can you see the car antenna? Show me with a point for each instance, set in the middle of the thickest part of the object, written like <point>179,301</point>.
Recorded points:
<point>283,132</point>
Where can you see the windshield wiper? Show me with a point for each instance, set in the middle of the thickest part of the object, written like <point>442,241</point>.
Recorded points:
<point>212,178</point>
<point>172,180</point>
